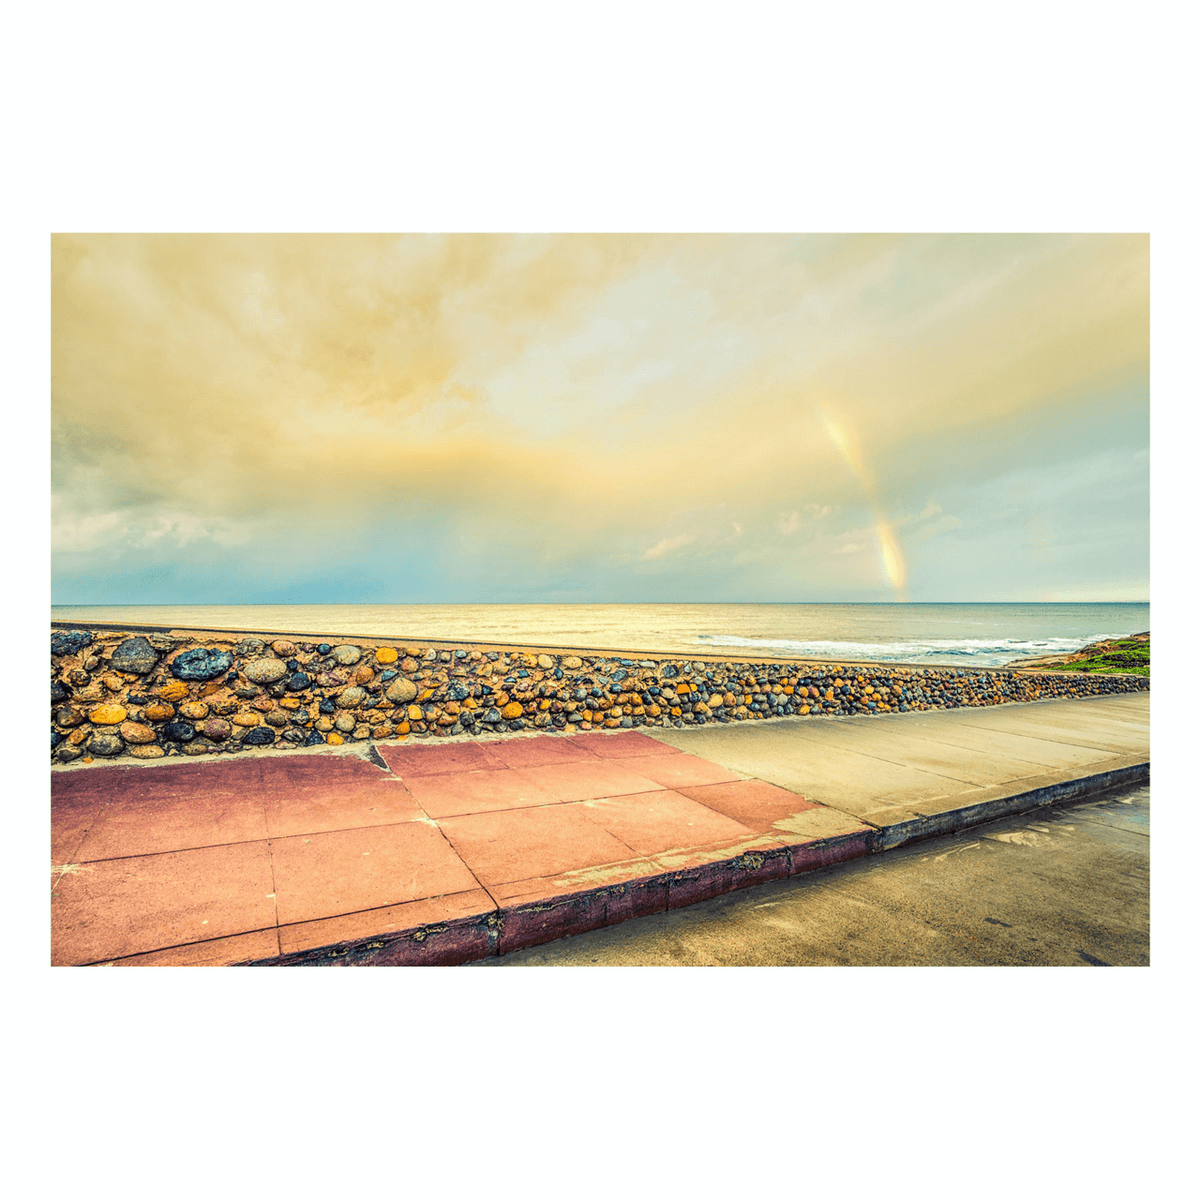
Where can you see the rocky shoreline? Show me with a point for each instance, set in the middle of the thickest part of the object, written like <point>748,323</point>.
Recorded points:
<point>148,695</point>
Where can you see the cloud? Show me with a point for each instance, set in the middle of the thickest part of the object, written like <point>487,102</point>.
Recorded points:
<point>667,545</point>
<point>547,402</point>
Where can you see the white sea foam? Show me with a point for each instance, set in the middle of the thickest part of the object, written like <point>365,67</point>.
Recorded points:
<point>987,652</point>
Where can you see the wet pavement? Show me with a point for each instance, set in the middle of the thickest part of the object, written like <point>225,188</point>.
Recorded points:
<point>1069,886</point>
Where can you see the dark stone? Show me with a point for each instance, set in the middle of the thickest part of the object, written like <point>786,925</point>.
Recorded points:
<point>457,691</point>
<point>250,647</point>
<point>314,739</point>
<point>260,735</point>
<point>492,716</point>
<point>387,676</point>
<point>298,682</point>
<point>324,648</point>
<point>179,731</point>
<point>293,664</point>
<point>69,643</point>
<point>134,656</point>
<point>55,738</point>
<point>294,735</point>
<point>57,692</point>
<point>201,664</point>
<point>669,671</point>
<point>105,744</point>
<point>327,706</point>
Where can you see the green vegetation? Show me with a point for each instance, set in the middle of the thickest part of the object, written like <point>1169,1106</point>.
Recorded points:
<point>1124,656</point>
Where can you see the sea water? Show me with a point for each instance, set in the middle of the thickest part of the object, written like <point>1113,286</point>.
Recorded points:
<point>982,635</point>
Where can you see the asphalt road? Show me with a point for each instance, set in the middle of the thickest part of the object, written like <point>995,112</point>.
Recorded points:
<point>1069,886</point>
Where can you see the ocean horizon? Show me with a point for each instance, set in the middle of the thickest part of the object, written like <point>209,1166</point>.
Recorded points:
<point>926,634</point>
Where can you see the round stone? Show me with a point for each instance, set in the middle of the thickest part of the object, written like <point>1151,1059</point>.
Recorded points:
<point>194,710</point>
<point>283,648</point>
<point>364,674</point>
<point>107,714</point>
<point>352,697</point>
<point>247,719</point>
<point>136,734</point>
<point>147,751</point>
<point>179,731</point>
<point>545,662</point>
<point>385,655</point>
<point>298,682</point>
<point>216,729</point>
<point>572,663</point>
<point>201,664</point>
<point>345,723</point>
<point>250,647</point>
<point>262,736</point>
<point>134,656</point>
<point>69,643</point>
<point>335,739</point>
<point>346,656</point>
<point>511,711</point>
<point>158,712</point>
<point>106,745</point>
<point>401,691</point>
<point>265,670</point>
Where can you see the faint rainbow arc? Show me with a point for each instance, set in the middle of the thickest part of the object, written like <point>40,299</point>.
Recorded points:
<point>889,548</point>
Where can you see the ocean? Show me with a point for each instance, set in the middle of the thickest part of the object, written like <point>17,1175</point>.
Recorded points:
<point>981,635</point>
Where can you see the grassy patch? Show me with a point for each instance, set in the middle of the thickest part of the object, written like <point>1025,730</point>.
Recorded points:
<point>1123,656</point>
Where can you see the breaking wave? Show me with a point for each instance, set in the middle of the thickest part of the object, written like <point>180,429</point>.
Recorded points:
<point>982,652</point>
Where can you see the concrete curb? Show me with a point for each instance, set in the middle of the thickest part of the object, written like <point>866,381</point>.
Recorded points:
<point>520,926</point>
<point>891,837</point>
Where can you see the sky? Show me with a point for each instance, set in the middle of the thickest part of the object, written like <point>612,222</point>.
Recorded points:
<point>250,419</point>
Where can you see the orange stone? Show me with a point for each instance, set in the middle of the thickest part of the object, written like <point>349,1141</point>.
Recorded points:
<point>107,714</point>
<point>176,690</point>
<point>414,713</point>
<point>194,710</point>
<point>334,739</point>
<point>158,712</point>
<point>136,734</point>
<point>403,728</point>
<point>385,654</point>
<point>511,711</point>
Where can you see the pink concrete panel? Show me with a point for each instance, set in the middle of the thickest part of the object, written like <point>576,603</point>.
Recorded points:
<point>683,770</point>
<point>477,792</point>
<point>622,745</point>
<point>161,824</point>
<point>653,822</point>
<point>223,952</point>
<point>589,779</point>
<point>125,906</point>
<point>347,871</point>
<point>541,751</point>
<point>531,843</point>
<point>323,807</point>
<point>755,804</point>
<point>410,761</point>
<point>386,922</point>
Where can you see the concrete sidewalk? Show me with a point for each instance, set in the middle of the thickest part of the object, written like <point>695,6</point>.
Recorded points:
<point>448,852</point>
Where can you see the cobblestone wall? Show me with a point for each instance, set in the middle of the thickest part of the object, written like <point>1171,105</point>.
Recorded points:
<point>147,695</point>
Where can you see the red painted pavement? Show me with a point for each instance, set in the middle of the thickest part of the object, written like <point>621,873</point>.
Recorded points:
<point>447,854</point>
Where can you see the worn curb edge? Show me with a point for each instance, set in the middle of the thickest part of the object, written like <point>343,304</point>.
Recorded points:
<point>520,926</point>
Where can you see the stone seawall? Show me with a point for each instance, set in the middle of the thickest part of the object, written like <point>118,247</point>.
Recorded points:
<point>124,693</point>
